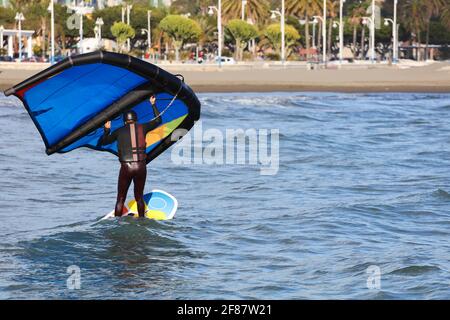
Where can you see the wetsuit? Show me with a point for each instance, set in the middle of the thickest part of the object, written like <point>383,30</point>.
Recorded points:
<point>132,146</point>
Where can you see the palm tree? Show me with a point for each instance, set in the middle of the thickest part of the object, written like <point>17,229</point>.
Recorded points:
<point>208,31</point>
<point>445,15</point>
<point>332,8</point>
<point>305,9</point>
<point>38,19</point>
<point>255,10</point>
<point>414,16</point>
<point>18,5</point>
<point>355,20</point>
<point>433,8</point>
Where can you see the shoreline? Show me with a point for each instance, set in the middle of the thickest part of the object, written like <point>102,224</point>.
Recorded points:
<point>338,89</point>
<point>428,78</point>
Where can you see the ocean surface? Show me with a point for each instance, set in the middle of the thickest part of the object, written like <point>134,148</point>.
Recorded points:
<point>358,209</point>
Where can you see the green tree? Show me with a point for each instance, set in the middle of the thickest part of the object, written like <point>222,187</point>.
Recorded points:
<point>242,32</point>
<point>181,30</point>
<point>208,25</point>
<point>6,17</point>
<point>273,37</point>
<point>354,19</point>
<point>433,9</point>
<point>445,15</point>
<point>37,18</point>
<point>413,16</point>
<point>121,31</point>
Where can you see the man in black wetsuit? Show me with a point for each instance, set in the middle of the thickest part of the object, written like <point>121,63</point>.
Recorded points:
<point>131,145</point>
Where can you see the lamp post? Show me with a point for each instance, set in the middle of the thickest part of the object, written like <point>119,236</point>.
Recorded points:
<point>2,29</point>
<point>324,31</point>
<point>395,51</point>
<point>340,24</point>
<point>324,44</point>
<point>388,21</point>
<point>129,7</point>
<point>149,30</point>
<point>51,9</point>
<point>80,11</point>
<point>341,46</point>
<point>313,23</point>
<point>365,21</point>
<point>98,24</point>
<point>276,13</point>
<point>372,28</point>
<point>218,9</point>
<point>19,18</point>
<point>341,31</point>
<point>244,3</point>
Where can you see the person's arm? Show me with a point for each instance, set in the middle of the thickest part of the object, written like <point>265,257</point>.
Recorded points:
<point>108,138</point>
<point>156,122</point>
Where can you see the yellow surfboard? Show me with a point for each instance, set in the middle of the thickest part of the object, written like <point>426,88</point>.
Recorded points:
<point>159,205</point>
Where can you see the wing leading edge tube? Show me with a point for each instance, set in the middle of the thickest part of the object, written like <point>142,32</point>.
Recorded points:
<point>70,101</point>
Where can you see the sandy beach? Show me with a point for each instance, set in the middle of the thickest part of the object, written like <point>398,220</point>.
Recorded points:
<point>405,77</point>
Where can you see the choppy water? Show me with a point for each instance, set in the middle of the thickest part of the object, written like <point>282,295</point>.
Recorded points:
<point>364,180</point>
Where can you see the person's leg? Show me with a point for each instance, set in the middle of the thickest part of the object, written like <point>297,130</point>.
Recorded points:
<point>122,188</point>
<point>139,185</point>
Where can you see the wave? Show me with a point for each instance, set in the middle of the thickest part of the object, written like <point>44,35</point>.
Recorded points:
<point>415,270</point>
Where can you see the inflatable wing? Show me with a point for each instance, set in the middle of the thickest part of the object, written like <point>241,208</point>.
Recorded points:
<point>70,101</point>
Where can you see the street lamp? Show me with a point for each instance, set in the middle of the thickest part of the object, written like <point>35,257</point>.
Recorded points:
<point>341,31</point>
<point>80,10</point>
<point>274,15</point>
<point>2,29</point>
<point>218,9</point>
<point>127,9</point>
<point>394,32</point>
<point>314,22</point>
<point>98,31</point>
<point>99,23</point>
<point>148,31</point>
<point>244,3</point>
<point>324,30</point>
<point>19,18</point>
<point>51,9</point>
<point>372,31</point>
<point>370,21</point>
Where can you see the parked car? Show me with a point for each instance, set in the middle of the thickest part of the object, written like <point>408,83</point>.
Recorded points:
<point>59,58</point>
<point>226,60</point>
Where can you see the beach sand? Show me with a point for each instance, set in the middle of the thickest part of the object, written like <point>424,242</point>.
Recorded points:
<point>434,77</point>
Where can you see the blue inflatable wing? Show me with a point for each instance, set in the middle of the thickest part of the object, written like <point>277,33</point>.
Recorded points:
<point>70,101</point>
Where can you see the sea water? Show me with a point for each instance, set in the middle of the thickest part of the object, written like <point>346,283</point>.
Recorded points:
<point>359,208</point>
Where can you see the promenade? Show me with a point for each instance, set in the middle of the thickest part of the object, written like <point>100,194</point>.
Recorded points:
<point>408,76</point>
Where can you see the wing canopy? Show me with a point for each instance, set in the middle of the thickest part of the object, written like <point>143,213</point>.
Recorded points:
<point>70,101</point>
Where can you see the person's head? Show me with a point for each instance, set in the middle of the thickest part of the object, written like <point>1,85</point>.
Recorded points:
<point>130,117</point>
